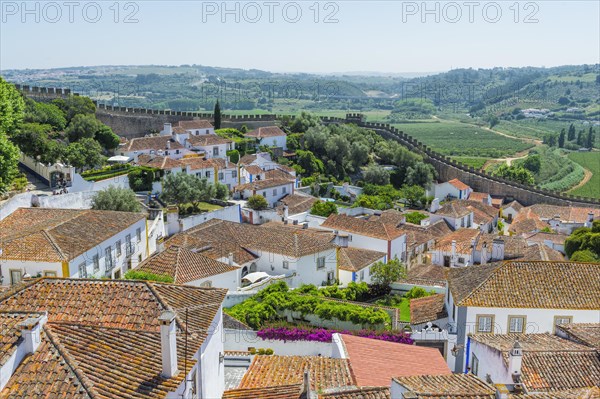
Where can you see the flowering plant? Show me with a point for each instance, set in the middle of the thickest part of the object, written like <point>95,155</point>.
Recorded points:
<point>324,335</point>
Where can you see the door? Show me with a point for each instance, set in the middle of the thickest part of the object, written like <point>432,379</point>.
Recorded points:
<point>447,261</point>
<point>15,276</point>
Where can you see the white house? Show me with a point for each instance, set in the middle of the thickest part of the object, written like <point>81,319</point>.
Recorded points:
<point>73,243</point>
<point>457,214</point>
<point>510,210</point>
<point>260,159</point>
<point>196,127</point>
<point>210,145</point>
<point>452,386</point>
<point>354,264</point>
<point>272,189</point>
<point>131,338</point>
<point>455,249</point>
<point>304,255</point>
<point>556,241</point>
<point>519,297</point>
<point>193,268</point>
<point>371,235</point>
<point>452,189</point>
<point>216,170</point>
<point>271,136</point>
<point>156,145</point>
<point>533,363</point>
<point>484,198</point>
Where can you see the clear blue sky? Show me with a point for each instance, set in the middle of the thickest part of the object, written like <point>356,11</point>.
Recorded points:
<point>384,36</point>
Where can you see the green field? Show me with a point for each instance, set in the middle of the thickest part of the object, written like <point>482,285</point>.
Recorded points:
<point>590,161</point>
<point>460,139</point>
<point>475,162</point>
<point>585,78</point>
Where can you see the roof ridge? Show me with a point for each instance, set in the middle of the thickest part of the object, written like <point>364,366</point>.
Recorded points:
<point>54,244</point>
<point>71,362</point>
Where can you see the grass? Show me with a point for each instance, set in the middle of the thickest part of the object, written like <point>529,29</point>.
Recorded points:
<point>534,128</point>
<point>590,161</point>
<point>187,209</point>
<point>475,162</point>
<point>460,139</point>
<point>397,301</point>
<point>557,172</point>
<point>585,78</point>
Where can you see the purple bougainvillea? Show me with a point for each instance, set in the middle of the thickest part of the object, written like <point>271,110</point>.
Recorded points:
<point>323,335</point>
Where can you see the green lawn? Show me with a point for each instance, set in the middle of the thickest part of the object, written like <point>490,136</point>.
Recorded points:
<point>590,161</point>
<point>397,301</point>
<point>203,206</point>
<point>460,139</point>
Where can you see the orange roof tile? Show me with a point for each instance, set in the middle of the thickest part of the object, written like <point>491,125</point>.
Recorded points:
<point>355,259</point>
<point>426,309</point>
<point>458,184</point>
<point>375,362</point>
<point>267,131</point>
<point>453,386</point>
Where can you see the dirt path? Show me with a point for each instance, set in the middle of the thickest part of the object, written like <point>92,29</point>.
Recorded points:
<point>586,178</point>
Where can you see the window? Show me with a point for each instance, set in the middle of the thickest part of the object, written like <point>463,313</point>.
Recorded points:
<point>176,151</point>
<point>82,270</point>
<point>284,190</point>
<point>207,131</point>
<point>461,261</point>
<point>558,320</point>
<point>474,364</point>
<point>320,262</point>
<point>206,284</point>
<point>330,276</point>
<point>485,323</point>
<point>118,247</point>
<point>108,260</point>
<point>362,275</point>
<point>516,324</point>
<point>286,264</point>
<point>264,194</point>
<point>15,276</point>
<point>49,273</point>
<point>96,263</point>
<point>138,234</point>
<point>128,248</point>
<point>221,176</point>
<point>234,174</point>
<point>207,174</point>
<point>215,151</point>
<point>274,191</point>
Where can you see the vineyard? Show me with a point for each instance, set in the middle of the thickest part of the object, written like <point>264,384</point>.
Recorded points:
<point>590,161</point>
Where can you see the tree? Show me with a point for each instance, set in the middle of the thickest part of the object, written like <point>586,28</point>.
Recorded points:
<point>561,139</point>
<point>309,163</point>
<point>82,126</point>
<point>533,163</point>
<point>85,153</point>
<point>116,199</point>
<point>45,113</point>
<point>221,191</point>
<point>323,208</point>
<point>257,202</point>
<point>584,256</point>
<point>217,115</point>
<point>590,139</point>
<point>303,122</point>
<point>106,137</point>
<point>414,195</point>
<point>515,173</point>
<point>75,105</point>
<point>420,174</point>
<point>563,101</point>
<point>32,139</point>
<point>375,174</point>
<point>9,159</point>
<point>12,108</point>
<point>181,188</point>
<point>550,139</point>
<point>359,154</point>
<point>493,120</point>
<point>571,135</point>
<point>384,274</point>
<point>580,139</point>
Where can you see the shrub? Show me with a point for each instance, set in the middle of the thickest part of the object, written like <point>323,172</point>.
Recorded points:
<point>323,208</point>
<point>257,202</point>
<point>416,292</point>
<point>324,335</point>
<point>141,275</point>
<point>415,217</point>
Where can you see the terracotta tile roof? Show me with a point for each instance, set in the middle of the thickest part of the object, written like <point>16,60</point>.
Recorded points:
<point>523,226</point>
<point>115,363</point>
<point>355,259</point>
<point>376,229</point>
<point>325,372</point>
<point>516,284</point>
<point>376,362</point>
<point>514,246</point>
<point>184,265</point>
<point>579,393</point>
<point>516,205</point>
<point>426,309</point>
<point>54,235</point>
<point>206,140</point>
<point>584,333</point>
<point>455,209</point>
<point>389,216</point>
<point>296,203</point>
<point>541,237</point>
<point>277,392</point>
<point>247,159</point>
<point>215,248</point>
<point>233,324</point>
<point>359,393</point>
<point>195,124</point>
<point>463,237</point>
<point>565,213</point>
<point>160,162</point>
<point>263,184</point>
<point>479,197</point>
<point>417,235</point>
<point>426,274</point>
<point>197,163</point>
<point>549,363</point>
<point>483,209</point>
<point>539,251</point>
<point>458,184</point>
<point>267,131</point>
<point>274,174</point>
<point>270,238</point>
<point>453,386</point>
<point>151,143</point>
<point>254,169</point>
<point>131,305</point>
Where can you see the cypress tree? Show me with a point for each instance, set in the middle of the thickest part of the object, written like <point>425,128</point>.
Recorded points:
<point>217,115</point>
<point>561,139</point>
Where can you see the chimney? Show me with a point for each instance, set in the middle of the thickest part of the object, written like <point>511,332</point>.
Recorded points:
<point>515,360</point>
<point>453,254</point>
<point>305,226</point>
<point>306,389</point>
<point>168,343</point>
<point>168,145</point>
<point>497,249</point>
<point>295,222</point>
<point>502,391</point>
<point>341,240</point>
<point>167,129</point>
<point>30,331</point>
<point>484,253</point>
<point>435,205</point>
<point>590,219</point>
<point>230,259</point>
<point>286,212</point>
